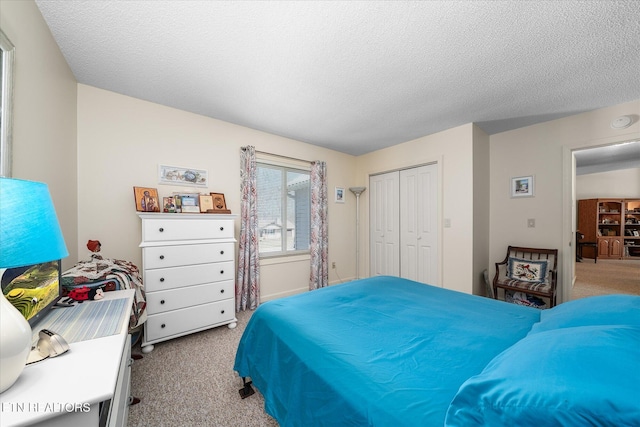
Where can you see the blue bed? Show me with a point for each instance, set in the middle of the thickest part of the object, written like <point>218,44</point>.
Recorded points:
<point>386,351</point>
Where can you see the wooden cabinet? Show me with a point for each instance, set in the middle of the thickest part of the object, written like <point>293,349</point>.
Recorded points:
<point>189,274</point>
<point>610,247</point>
<point>612,224</point>
<point>632,228</point>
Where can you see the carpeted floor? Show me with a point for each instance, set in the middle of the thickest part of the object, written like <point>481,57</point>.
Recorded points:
<point>606,277</point>
<point>190,381</point>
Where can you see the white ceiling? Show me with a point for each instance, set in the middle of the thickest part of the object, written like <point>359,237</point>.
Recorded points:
<point>625,155</point>
<point>357,76</point>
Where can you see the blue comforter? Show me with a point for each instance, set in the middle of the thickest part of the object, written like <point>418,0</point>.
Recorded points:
<point>382,351</point>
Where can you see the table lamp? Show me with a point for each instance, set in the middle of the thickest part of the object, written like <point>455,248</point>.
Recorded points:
<point>29,234</point>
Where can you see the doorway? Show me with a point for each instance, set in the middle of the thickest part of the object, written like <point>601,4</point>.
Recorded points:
<point>607,172</point>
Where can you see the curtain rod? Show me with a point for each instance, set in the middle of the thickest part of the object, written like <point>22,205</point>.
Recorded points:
<point>278,155</point>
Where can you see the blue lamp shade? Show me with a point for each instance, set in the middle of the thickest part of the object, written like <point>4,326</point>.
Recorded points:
<point>29,229</point>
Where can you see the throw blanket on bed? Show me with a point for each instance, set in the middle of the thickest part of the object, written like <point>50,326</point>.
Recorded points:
<point>382,351</point>
<point>110,274</point>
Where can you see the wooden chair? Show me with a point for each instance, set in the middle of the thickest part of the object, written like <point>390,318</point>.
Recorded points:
<point>534,272</point>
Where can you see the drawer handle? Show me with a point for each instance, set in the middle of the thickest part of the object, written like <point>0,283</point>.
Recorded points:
<point>161,229</point>
<point>222,291</point>
<point>221,311</point>
<point>221,252</point>
<point>162,301</point>
<point>161,256</point>
<point>221,271</point>
<point>221,228</point>
<point>162,279</point>
<point>163,325</point>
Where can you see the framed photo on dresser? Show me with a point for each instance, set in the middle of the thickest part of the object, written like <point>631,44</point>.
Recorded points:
<point>146,199</point>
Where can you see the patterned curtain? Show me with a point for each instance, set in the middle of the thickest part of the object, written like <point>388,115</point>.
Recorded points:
<point>319,245</point>
<point>248,283</point>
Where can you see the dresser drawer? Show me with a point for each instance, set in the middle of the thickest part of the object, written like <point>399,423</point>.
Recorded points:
<point>161,279</point>
<point>185,320</point>
<point>170,229</point>
<point>159,302</point>
<point>173,256</point>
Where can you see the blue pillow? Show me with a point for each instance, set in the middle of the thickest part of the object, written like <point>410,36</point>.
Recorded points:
<point>587,375</point>
<point>599,310</point>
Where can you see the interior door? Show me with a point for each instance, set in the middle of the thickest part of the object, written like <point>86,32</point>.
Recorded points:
<point>418,224</point>
<point>384,219</point>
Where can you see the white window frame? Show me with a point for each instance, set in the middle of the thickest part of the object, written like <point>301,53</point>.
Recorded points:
<point>285,165</point>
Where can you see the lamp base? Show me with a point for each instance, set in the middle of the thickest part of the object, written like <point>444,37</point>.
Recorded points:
<point>15,343</point>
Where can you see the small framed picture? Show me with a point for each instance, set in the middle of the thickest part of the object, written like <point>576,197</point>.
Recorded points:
<point>522,186</point>
<point>187,202</point>
<point>169,204</point>
<point>173,175</point>
<point>146,199</point>
<point>206,203</point>
<point>339,195</point>
<point>219,204</point>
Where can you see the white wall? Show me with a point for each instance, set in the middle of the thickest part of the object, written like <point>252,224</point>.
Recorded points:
<point>121,142</point>
<point>93,150</point>
<point>44,113</point>
<point>624,184</point>
<point>453,150</point>
<point>544,150</point>
<point>481,208</point>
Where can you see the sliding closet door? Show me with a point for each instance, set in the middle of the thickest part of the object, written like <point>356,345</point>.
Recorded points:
<point>418,224</point>
<point>384,227</point>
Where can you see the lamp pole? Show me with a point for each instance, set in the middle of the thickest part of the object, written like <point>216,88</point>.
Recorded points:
<point>357,191</point>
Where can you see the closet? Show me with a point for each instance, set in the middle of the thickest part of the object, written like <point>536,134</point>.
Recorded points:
<point>403,214</point>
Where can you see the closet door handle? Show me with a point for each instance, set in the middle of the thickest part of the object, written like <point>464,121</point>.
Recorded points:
<point>163,326</point>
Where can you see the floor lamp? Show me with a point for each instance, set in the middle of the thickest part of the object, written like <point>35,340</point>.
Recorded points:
<point>357,191</point>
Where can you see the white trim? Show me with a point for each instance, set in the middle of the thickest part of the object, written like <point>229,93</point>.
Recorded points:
<point>7,50</point>
<point>276,160</point>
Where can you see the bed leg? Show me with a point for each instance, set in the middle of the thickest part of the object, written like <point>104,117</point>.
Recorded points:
<point>246,390</point>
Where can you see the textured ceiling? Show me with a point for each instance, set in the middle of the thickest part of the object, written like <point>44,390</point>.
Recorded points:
<point>357,76</point>
<point>612,157</point>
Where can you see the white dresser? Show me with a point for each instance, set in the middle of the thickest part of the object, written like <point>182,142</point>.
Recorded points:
<point>188,264</point>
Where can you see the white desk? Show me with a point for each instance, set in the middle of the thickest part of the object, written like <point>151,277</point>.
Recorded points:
<point>68,389</point>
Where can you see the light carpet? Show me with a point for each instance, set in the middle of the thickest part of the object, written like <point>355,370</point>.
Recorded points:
<point>607,276</point>
<point>190,382</point>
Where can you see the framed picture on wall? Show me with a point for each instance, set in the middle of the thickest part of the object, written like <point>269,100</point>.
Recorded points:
<point>522,186</point>
<point>339,195</point>
<point>174,175</point>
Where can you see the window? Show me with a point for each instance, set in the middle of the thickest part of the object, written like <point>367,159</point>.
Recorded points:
<point>284,209</point>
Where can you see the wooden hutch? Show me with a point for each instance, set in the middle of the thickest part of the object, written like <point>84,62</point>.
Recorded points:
<point>613,224</point>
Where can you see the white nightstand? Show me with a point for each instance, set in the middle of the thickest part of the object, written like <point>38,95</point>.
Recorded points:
<point>90,381</point>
